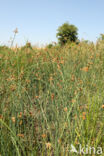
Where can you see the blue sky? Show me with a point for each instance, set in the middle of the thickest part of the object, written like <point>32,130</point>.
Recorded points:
<point>38,20</point>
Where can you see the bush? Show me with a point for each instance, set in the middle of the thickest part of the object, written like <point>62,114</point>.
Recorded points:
<point>50,45</point>
<point>27,46</point>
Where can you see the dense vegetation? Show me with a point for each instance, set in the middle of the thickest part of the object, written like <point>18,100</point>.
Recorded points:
<point>51,98</point>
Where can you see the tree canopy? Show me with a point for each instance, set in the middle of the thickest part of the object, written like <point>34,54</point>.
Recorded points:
<point>66,33</point>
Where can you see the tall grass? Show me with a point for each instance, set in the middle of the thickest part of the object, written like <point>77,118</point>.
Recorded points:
<point>51,98</point>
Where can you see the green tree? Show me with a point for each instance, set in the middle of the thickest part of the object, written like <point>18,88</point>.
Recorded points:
<point>102,37</point>
<point>67,33</point>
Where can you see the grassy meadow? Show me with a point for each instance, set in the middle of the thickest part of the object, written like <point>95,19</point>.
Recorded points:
<point>51,98</point>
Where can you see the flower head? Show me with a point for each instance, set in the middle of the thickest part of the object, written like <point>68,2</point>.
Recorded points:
<point>85,69</point>
<point>48,145</point>
<point>13,119</point>
<point>16,31</point>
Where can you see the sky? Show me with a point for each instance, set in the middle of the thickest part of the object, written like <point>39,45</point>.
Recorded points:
<point>38,20</point>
